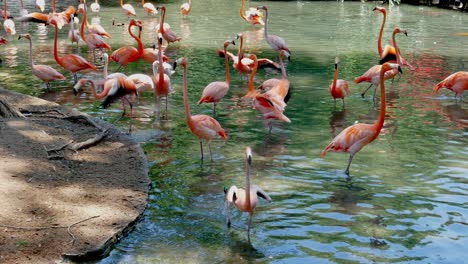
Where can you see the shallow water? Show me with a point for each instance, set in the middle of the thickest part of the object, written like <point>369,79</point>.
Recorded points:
<point>406,198</point>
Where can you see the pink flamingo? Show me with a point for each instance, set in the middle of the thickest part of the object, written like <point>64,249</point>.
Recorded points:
<point>167,33</point>
<point>44,72</point>
<point>95,7</point>
<point>162,81</point>
<point>252,93</point>
<point>245,199</point>
<point>71,62</point>
<point>456,82</point>
<point>185,8</point>
<point>277,43</point>
<point>127,9</point>
<point>215,91</point>
<point>127,54</point>
<point>73,34</point>
<point>270,83</point>
<point>149,8</point>
<point>93,40</point>
<point>269,110</point>
<point>354,138</point>
<point>203,126</point>
<point>118,88</point>
<point>339,88</point>
<point>8,24</point>
<point>252,16</point>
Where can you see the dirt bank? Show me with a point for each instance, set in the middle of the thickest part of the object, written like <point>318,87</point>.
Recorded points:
<point>62,203</point>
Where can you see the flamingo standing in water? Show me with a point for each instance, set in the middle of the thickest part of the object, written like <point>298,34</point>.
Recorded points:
<point>44,72</point>
<point>354,138</point>
<point>40,4</point>
<point>203,126</point>
<point>166,32</point>
<point>118,88</point>
<point>373,74</point>
<point>185,8</point>
<point>456,82</point>
<point>73,34</point>
<point>162,81</point>
<point>270,83</point>
<point>8,24</point>
<point>93,40</point>
<point>252,16</point>
<point>215,91</point>
<point>95,7</point>
<point>71,62</point>
<point>127,9</point>
<point>62,17</point>
<point>339,88</point>
<point>245,199</point>
<point>149,8</point>
<point>269,110</point>
<point>252,93</point>
<point>277,43</point>
<point>127,54</point>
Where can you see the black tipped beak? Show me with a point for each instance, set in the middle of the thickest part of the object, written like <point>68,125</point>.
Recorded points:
<point>399,69</point>
<point>160,41</point>
<point>406,33</point>
<point>249,159</point>
<point>154,46</point>
<point>375,8</point>
<point>174,65</point>
<point>289,58</point>
<point>75,92</point>
<point>233,43</point>
<point>336,66</point>
<point>19,37</point>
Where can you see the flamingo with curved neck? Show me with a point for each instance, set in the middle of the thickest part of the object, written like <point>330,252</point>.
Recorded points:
<point>127,54</point>
<point>167,33</point>
<point>354,138</point>
<point>8,24</point>
<point>203,126</point>
<point>275,42</point>
<point>339,88</point>
<point>252,93</point>
<point>93,40</point>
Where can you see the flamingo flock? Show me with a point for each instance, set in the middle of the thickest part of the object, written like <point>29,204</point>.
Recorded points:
<point>270,99</point>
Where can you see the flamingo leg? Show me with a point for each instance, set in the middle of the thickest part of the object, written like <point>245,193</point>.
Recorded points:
<point>343,103</point>
<point>349,164</point>
<point>270,127</point>
<point>131,115</point>
<point>214,109</point>
<point>209,147</point>
<point>248,226</point>
<point>364,93</point>
<point>48,86</point>
<point>201,149</point>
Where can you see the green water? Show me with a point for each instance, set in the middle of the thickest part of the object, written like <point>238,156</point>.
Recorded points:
<point>406,200</point>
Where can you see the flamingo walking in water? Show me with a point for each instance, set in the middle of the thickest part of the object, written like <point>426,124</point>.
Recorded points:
<point>354,138</point>
<point>71,62</point>
<point>118,88</point>
<point>215,91</point>
<point>93,40</point>
<point>203,126</point>
<point>339,88</point>
<point>127,54</point>
<point>456,82</point>
<point>185,8</point>
<point>149,8</point>
<point>245,199</point>
<point>252,16</point>
<point>44,72</point>
<point>275,42</point>
<point>167,33</point>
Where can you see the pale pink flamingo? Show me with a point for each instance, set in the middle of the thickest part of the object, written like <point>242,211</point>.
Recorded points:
<point>162,82</point>
<point>73,34</point>
<point>185,8</point>
<point>456,82</point>
<point>8,24</point>
<point>339,88</point>
<point>44,72</point>
<point>127,9</point>
<point>245,199</point>
<point>167,33</point>
<point>277,43</point>
<point>373,74</point>
<point>23,11</point>
<point>252,16</point>
<point>71,62</point>
<point>279,93</point>
<point>203,126</point>
<point>94,41</point>
<point>118,88</point>
<point>354,138</point>
<point>149,8</point>
<point>269,110</point>
<point>127,54</point>
<point>95,7</point>
<point>215,91</point>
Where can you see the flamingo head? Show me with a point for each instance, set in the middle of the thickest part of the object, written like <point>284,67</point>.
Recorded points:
<point>248,155</point>
<point>160,39</point>
<point>390,66</point>
<point>162,8</point>
<point>262,7</point>
<point>337,61</point>
<point>24,36</point>
<point>285,53</point>
<point>399,30</point>
<point>105,58</point>
<point>182,61</point>
<point>79,85</point>
<point>229,42</point>
<point>380,9</point>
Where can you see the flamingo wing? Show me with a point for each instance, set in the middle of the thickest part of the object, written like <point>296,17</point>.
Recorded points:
<point>207,127</point>
<point>75,63</point>
<point>47,73</point>
<point>123,54</point>
<point>214,92</point>
<point>352,139</point>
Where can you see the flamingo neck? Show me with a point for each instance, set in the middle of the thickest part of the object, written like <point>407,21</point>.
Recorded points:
<point>252,75</point>
<point>266,24</point>
<point>21,2</point>
<point>142,2</point>
<point>161,23</point>
<point>242,10</point>
<point>241,47</point>
<point>121,3</point>
<point>283,70</point>
<point>5,10</point>
<point>105,70</point>
<point>160,84</point>
<point>140,44</point>
<point>247,184</point>
<point>226,63</point>
<point>186,102</point>
<point>101,94</point>
<point>381,119</point>
<point>396,48</point>
<point>335,77</point>
<point>379,41</point>
<point>85,20</point>
<point>54,5</point>
<point>56,57</point>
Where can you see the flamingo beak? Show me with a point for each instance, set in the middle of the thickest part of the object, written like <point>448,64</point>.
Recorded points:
<point>399,69</point>
<point>406,33</point>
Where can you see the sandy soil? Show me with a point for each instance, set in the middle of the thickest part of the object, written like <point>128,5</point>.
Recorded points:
<point>60,205</point>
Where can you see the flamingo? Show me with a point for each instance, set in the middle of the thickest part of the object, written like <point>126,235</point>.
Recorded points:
<point>118,88</point>
<point>142,81</point>
<point>127,54</point>
<point>372,75</point>
<point>70,62</point>
<point>354,138</point>
<point>95,7</point>
<point>339,88</point>
<point>269,110</point>
<point>215,91</point>
<point>245,199</point>
<point>456,82</point>
<point>162,81</point>
<point>127,9</point>
<point>93,40</point>
<point>97,29</point>
<point>270,83</point>
<point>8,24</point>
<point>40,4</point>
<point>44,72</point>
<point>23,11</point>
<point>73,34</point>
<point>166,32</point>
<point>252,16</point>
<point>105,62</point>
<point>277,43</point>
<point>203,126</point>
<point>151,54</point>
<point>149,8</point>
<point>63,17</point>
<point>279,94</point>
<point>252,93</point>
<point>185,8</point>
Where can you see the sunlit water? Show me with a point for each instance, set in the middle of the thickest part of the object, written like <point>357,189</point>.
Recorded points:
<point>406,200</point>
